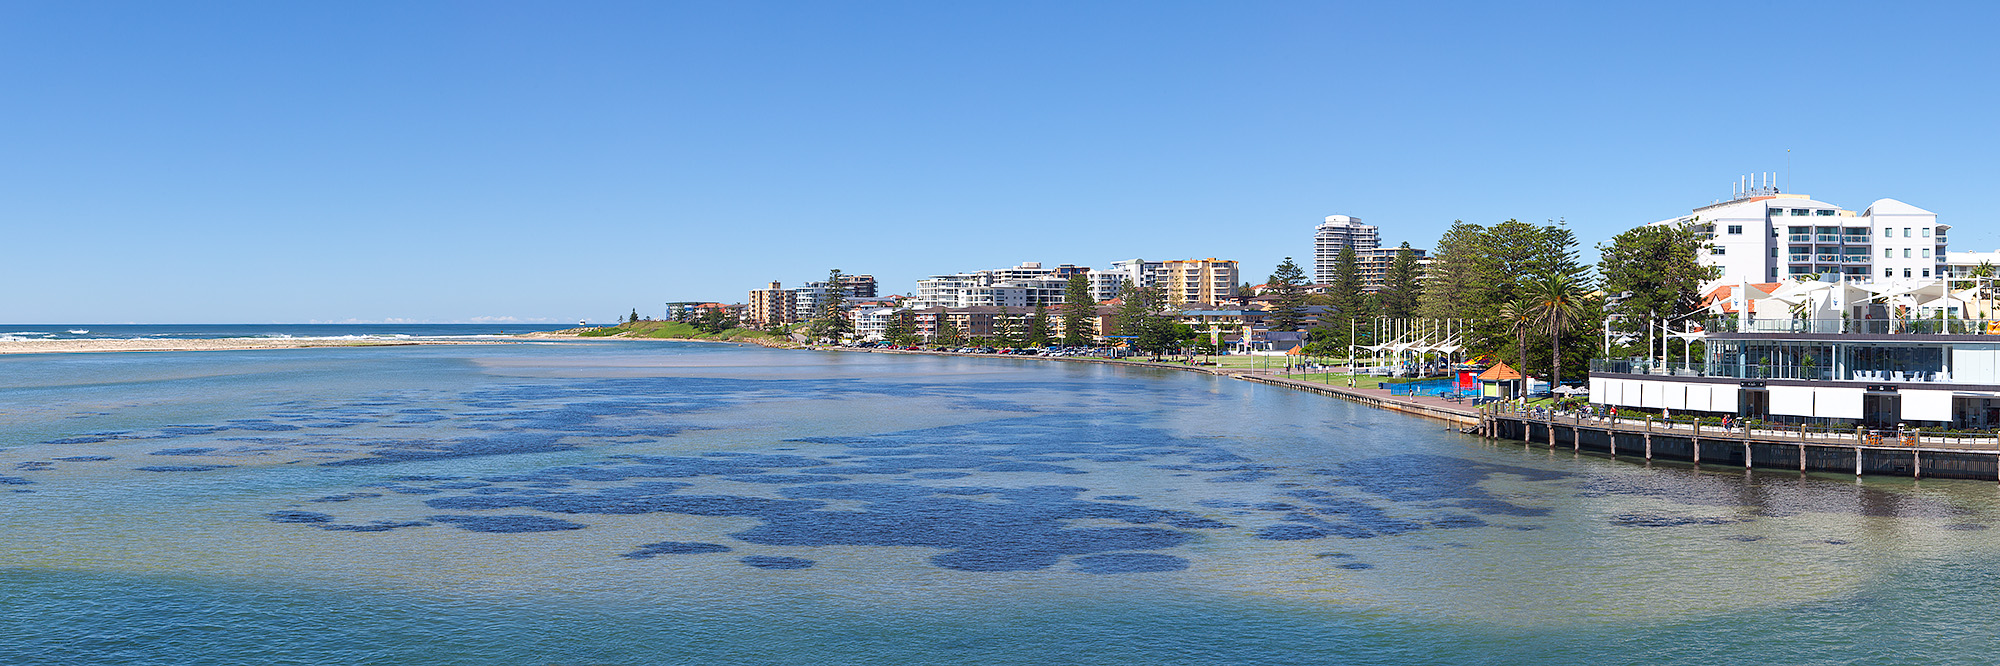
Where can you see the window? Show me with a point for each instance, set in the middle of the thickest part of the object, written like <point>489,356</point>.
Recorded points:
<point>1927,272</point>
<point>1906,232</point>
<point>1800,212</point>
<point>1826,212</point>
<point>1774,253</point>
<point>1718,250</point>
<point>1927,232</point>
<point>1888,253</point>
<point>1737,230</point>
<point>1888,272</point>
<point>1927,253</point>
<point>1906,272</point>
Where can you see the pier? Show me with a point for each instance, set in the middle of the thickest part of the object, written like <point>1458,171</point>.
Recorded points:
<point>1767,446</point>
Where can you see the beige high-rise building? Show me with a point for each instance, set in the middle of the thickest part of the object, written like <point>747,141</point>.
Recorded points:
<point>771,307</point>
<point>1197,280</point>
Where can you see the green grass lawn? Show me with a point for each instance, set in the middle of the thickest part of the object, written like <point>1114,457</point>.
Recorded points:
<point>672,330</point>
<point>1340,379</point>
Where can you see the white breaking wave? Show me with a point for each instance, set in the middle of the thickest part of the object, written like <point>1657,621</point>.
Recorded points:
<point>369,336</point>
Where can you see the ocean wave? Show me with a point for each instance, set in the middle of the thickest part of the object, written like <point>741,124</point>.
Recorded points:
<point>358,336</point>
<point>79,331</point>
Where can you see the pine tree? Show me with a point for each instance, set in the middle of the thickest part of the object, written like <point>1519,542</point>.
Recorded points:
<point>1288,313</point>
<point>1399,294</point>
<point>947,334</point>
<point>1132,309</point>
<point>1450,283</point>
<point>1655,271</point>
<point>1038,327</point>
<point>1003,329</point>
<point>1078,309</point>
<point>832,322</point>
<point>1347,289</point>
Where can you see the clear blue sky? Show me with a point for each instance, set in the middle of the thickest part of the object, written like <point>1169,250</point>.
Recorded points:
<point>298,161</point>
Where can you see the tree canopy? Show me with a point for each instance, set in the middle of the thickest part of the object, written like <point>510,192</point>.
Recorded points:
<point>1653,271</point>
<point>1078,309</point>
<point>1400,287</point>
<point>1287,284</point>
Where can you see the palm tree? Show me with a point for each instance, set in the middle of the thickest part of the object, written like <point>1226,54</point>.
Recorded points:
<point>1984,273</point>
<point>1519,316</point>
<point>1556,308</point>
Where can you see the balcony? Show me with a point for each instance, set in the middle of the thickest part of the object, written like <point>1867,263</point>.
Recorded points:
<point>1827,258</point>
<point>1857,240</point>
<point>1800,238</point>
<point>1801,259</point>
<point>1856,258</point>
<point>1827,238</point>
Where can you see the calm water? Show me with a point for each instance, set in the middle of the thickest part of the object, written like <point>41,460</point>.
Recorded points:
<point>658,503</point>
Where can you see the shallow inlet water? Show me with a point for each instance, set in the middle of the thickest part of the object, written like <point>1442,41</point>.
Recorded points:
<point>624,502</point>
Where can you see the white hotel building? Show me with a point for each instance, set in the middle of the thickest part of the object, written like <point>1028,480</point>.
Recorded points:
<point>1762,235</point>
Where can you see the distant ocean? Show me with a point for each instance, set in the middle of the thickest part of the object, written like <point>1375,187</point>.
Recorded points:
<point>17,332</point>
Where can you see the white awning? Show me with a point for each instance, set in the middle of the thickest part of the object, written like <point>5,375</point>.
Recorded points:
<point>1723,398</point>
<point>1926,405</point>
<point>1792,400</point>
<point>1838,403</point>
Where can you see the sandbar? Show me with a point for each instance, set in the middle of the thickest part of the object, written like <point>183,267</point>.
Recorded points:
<point>209,344</point>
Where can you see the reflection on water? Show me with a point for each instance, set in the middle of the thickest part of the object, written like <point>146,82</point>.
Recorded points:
<point>661,502</point>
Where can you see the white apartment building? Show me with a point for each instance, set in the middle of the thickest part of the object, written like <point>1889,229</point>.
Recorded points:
<point>1339,231</point>
<point>1104,285</point>
<point>1021,287</point>
<point>1142,273</point>
<point>872,324</point>
<point>1762,235</point>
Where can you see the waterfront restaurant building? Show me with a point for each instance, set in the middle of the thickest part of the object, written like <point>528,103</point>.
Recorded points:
<point>1876,355</point>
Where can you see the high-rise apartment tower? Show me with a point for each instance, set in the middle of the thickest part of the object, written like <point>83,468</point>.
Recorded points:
<point>1339,231</point>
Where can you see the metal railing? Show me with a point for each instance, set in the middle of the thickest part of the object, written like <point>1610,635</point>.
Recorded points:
<point>1911,326</point>
<point>1741,369</point>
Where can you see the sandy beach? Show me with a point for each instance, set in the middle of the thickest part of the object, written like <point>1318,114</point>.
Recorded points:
<point>209,344</point>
